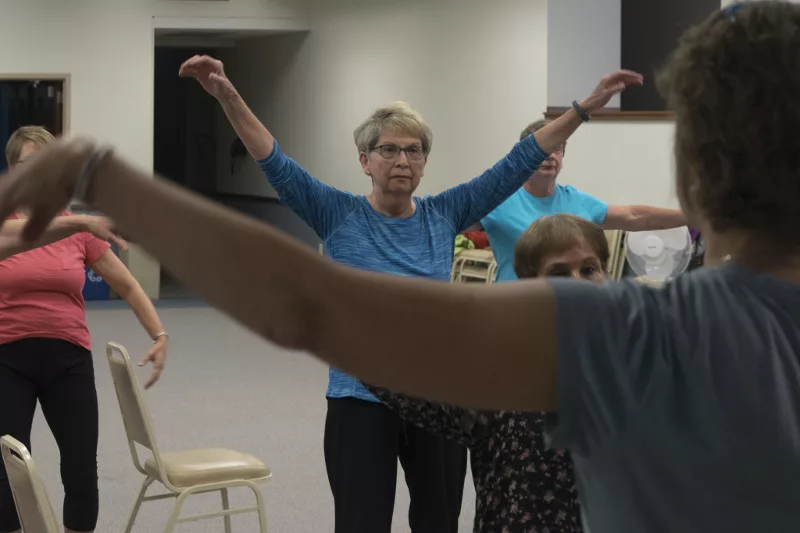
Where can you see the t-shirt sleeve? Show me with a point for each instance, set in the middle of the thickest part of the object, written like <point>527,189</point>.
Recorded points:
<point>596,208</point>
<point>93,248</point>
<point>616,344</point>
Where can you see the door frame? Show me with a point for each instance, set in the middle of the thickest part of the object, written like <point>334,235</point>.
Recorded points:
<point>65,98</point>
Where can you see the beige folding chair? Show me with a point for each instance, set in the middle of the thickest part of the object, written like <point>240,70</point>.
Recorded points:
<point>182,473</point>
<point>33,506</point>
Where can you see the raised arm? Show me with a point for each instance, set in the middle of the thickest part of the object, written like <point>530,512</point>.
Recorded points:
<point>210,73</point>
<point>320,206</point>
<point>469,202</point>
<point>456,423</point>
<point>60,228</point>
<point>294,297</point>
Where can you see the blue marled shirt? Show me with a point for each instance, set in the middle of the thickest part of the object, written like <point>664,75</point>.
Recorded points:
<point>421,245</point>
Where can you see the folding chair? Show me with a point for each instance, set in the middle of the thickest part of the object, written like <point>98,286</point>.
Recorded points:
<point>33,506</point>
<point>184,473</point>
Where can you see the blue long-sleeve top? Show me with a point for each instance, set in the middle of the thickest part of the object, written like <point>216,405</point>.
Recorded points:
<point>421,245</point>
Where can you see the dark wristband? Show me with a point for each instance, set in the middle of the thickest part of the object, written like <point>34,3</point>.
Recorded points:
<point>580,111</point>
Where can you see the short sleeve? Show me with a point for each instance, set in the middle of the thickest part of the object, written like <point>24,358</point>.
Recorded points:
<point>616,347</point>
<point>596,208</point>
<point>93,248</point>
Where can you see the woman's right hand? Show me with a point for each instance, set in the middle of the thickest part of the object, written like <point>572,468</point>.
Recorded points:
<point>103,229</point>
<point>209,72</point>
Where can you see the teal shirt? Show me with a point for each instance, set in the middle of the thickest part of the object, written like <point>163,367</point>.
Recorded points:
<point>506,224</point>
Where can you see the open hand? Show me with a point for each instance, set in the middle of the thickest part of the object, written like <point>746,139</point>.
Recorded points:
<point>103,228</point>
<point>157,354</point>
<point>614,83</point>
<point>210,74</point>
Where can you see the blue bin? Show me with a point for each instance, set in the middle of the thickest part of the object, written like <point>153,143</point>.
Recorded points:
<point>95,287</point>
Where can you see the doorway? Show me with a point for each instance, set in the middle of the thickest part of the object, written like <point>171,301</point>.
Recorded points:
<point>184,136</point>
<point>31,100</point>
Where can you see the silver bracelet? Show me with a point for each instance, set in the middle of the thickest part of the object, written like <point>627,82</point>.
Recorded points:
<point>87,171</point>
<point>157,336</point>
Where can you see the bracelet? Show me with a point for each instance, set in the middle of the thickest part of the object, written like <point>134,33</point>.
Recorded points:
<point>158,336</point>
<point>87,172</point>
<point>580,111</point>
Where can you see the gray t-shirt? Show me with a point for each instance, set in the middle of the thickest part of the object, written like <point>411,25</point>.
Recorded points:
<point>681,405</point>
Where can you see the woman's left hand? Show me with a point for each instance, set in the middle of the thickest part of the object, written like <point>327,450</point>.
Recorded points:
<point>157,354</point>
<point>614,83</point>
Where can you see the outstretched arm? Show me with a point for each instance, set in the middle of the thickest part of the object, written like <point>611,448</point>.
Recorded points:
<point>60,228</point>
<point>469,202</point>
<point>642,218</point>
<point>320,206</point>
<point>291,295</point>
<point>209,72</point>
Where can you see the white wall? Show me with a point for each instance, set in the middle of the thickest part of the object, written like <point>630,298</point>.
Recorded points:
<point>583,45</point>
<point>620,162</point>
<point>476,70</point>
<point>107,48</point>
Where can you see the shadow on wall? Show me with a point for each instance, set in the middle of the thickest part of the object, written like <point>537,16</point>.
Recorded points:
<point>273,213</point>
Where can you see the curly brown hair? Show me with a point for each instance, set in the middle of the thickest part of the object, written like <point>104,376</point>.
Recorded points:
<point>733,83</point>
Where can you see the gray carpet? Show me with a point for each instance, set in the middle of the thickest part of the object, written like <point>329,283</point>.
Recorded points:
<point>222,387</point>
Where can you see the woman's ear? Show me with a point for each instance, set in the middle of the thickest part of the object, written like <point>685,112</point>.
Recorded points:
<point>364,160</point>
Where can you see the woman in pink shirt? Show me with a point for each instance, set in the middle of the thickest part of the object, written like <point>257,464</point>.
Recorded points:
<point>45,346</point>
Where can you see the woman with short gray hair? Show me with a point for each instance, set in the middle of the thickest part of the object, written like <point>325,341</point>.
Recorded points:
<point>390,230</point>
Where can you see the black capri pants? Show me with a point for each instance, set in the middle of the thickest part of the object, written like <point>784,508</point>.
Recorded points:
<point>60,375</point>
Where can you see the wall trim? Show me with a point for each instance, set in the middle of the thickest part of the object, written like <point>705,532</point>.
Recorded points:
<point>616,115</point>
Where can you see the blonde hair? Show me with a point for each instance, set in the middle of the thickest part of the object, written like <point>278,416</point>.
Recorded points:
<point>37,135</point>
<point>397,116</point>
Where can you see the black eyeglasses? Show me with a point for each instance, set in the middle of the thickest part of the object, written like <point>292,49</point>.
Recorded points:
<point>392,151</point>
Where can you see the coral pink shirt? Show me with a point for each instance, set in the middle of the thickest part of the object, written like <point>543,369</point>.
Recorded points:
<point>41,291</point>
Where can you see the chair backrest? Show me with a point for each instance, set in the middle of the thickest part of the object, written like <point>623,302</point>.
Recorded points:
<point>135,415</point>
<point>33,506</point>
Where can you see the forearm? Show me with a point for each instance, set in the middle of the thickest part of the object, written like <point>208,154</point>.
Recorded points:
<point>255,136</point>
<point>200,242</point>
<point>553,136</point>
<point>143,308</point>
<point>62,227</point>
<point>645,217</point>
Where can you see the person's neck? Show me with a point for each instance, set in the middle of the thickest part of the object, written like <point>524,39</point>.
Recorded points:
<point>539,187</point>
<point>392,205</point>
<point>752,251</point>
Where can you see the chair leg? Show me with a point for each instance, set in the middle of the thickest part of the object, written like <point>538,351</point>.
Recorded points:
<point>145,485</point>
<point>262,512</point>
<point>176,511</point>
<point>225,507</point>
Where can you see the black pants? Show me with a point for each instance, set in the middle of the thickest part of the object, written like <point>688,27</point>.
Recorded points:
<point>363,441</point>
<point>60,375</point>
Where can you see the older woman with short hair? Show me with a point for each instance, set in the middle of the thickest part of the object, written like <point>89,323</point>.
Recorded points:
<point>392,231</point>
<point>678,404</point>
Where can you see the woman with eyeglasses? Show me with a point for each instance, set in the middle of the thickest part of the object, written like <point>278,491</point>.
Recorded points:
<point>391,231</point>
